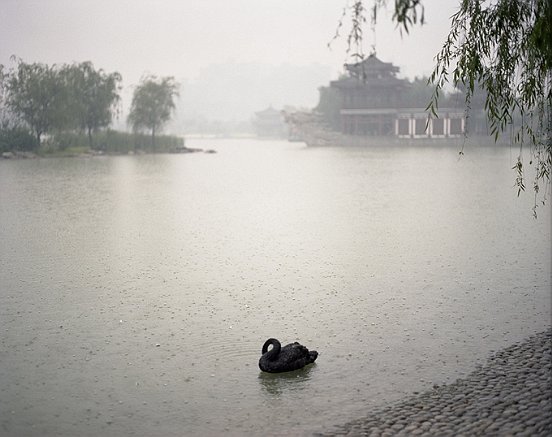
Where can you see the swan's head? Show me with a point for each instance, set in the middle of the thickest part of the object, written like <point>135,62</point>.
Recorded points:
<point>270,342</point>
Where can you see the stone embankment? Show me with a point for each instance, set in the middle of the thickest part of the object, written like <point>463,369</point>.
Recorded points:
<point>509,395</point>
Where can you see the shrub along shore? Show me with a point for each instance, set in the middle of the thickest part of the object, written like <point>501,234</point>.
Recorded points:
<point>19,144</point>
<point>510,395</point>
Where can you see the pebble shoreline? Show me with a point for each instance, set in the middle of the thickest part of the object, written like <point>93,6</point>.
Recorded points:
<point>510,395</point>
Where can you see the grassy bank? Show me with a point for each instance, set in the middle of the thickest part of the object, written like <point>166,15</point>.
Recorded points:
<point>72,143</point>
<point>112,142</point>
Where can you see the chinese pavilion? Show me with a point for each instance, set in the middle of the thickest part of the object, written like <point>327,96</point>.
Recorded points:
<point>372,103</point>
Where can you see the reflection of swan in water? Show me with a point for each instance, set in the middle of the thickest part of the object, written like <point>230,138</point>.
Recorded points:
<point>284,359</point>
<point>274,385</point>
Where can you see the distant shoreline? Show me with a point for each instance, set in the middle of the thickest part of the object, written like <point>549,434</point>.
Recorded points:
<point>88,153</point>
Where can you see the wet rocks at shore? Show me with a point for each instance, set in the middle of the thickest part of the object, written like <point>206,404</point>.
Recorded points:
<point>510,395</point>
<point>18,154</point>
<point>184,149</point>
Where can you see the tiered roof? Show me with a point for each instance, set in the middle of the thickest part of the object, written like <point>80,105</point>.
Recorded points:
<point>372,68</point>
<point>370,72</point>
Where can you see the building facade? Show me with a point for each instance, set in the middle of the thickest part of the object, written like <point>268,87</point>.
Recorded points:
<point>373,101</point>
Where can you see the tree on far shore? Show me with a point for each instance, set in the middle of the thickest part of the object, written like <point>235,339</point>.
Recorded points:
<point>58,98</point>
<point>94,96</point>
<point>152,104</point>
<point>35,93</point>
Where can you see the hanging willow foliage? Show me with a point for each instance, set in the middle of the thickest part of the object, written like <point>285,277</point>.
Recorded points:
<point>503,47</point>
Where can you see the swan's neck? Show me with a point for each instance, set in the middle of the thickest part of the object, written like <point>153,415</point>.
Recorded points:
<point>275,351</point>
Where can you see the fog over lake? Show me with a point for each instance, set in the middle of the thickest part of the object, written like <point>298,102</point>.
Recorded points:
<point>137,291</point>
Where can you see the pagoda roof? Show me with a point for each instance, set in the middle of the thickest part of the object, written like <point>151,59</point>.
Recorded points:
<point>268,112</point>
<point>372,62</point>
<point>372,67</point>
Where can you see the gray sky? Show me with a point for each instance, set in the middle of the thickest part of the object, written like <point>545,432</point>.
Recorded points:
<point>182,37</point>
<point>178,37</point>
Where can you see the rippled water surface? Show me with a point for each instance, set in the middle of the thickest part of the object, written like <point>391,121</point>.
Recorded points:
<point>136,291</point>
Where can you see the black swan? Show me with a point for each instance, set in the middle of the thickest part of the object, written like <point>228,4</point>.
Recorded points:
<point>284,359</point>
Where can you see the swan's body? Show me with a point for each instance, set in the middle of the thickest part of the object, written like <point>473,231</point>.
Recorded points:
<point>284,359</point>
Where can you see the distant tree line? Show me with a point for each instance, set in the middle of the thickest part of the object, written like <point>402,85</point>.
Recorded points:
<point>73,101</point>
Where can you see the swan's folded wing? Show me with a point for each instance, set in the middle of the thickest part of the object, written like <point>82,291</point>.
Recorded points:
<point>294,352</point>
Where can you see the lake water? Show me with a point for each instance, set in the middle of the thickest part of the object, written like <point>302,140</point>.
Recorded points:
<point>136,291</point>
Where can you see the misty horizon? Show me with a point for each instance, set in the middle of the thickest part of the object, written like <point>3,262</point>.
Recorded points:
<point>220,52</point>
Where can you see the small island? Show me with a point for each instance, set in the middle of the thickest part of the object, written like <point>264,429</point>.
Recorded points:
<point>68,110</point>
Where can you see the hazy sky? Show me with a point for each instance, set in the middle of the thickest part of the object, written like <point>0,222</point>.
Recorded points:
<point>178,37</point>
<point>182,37</point>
